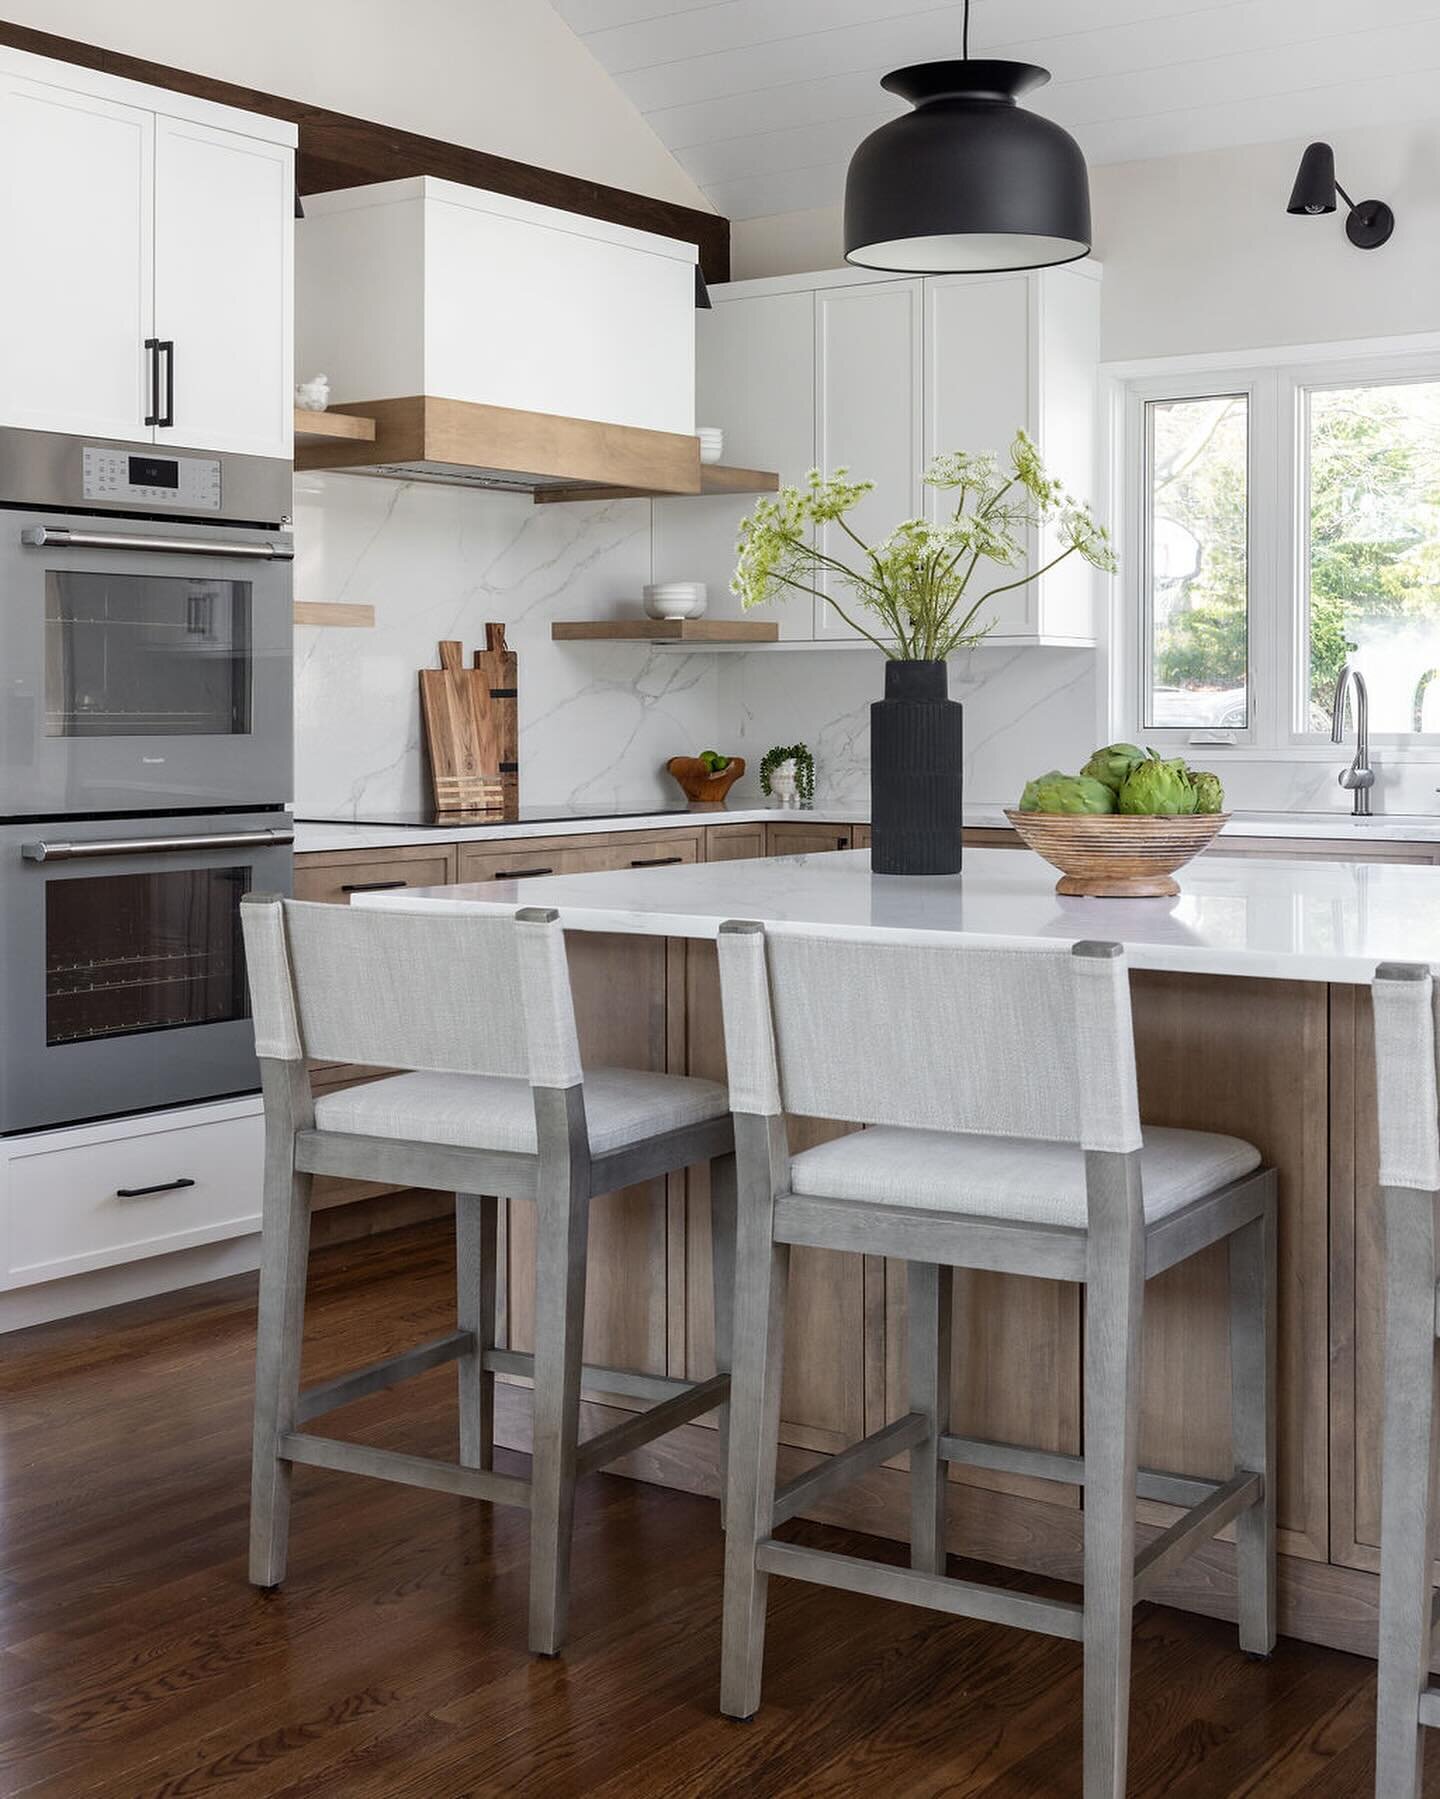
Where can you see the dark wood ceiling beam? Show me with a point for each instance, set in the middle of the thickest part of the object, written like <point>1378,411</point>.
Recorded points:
<point>338,150</point>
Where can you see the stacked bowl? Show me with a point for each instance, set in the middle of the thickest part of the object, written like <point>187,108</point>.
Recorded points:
<point>675,599</point>
<point>712,442</point>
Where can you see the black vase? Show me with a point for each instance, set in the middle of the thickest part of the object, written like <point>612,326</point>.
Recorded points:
<point>916,773</point>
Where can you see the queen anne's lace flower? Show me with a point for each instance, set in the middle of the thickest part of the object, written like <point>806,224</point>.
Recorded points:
<point>916,581</point>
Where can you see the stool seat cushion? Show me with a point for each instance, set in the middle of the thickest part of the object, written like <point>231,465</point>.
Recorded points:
<point>476,1111</point>
<point>1010,1178</point>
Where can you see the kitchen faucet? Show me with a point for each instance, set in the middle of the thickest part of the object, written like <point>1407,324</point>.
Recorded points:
<point>1359,778</point>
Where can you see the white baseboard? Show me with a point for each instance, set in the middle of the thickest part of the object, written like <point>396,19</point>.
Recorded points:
<point>48,1300</point>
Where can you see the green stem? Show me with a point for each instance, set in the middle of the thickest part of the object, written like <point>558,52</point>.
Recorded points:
<point>1024,580</point>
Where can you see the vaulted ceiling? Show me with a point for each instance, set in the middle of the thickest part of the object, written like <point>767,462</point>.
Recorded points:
<point>762,101</point>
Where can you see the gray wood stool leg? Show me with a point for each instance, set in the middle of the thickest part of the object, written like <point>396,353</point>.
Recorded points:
<point>1252,1414</point>
<point>1114,1308</point>
<point>284,1253</point>
<point>931,1308</point>
<point>562,1204</point>
<point>762,1270</point>
<point>722,1266</point>
<point>1406,1500</point>
<point>476,1216</point>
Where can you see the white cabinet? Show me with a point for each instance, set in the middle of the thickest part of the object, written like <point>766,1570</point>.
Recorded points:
<point>224,228</point>
<point>755,374</point>
<point>138,217</point>
<point>903,369</point>
<point>868,419</point>
<point>76,302</point>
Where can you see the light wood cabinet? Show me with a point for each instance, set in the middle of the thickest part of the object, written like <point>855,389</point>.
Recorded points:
<point>805,840</point>
<point>733,843</point>
<point>331,877</point>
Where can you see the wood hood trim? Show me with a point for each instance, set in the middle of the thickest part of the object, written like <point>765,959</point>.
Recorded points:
<point>463,435</point>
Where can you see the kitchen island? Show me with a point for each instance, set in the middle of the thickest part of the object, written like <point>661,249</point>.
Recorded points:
<point>1252,1018</point>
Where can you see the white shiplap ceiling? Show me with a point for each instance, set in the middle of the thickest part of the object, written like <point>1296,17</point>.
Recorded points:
<point>762,101</point>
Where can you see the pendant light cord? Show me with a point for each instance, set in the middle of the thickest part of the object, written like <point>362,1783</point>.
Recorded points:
<point>965,34</point>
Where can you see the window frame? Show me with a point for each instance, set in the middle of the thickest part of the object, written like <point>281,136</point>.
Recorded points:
<point>1278,384</point>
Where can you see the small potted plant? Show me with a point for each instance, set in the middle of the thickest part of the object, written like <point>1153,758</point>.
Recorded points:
<point>787,773</point>
<point>927,589</point>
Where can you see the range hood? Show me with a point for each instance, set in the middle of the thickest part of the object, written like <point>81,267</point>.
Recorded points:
<point>497,343</point>
<point>460,443</point>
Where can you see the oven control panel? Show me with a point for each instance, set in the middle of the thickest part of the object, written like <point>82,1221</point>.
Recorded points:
<point>190,483</point>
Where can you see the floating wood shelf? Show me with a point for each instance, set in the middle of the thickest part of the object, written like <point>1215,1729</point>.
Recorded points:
<point>715,478</point>
<point>335,612</point>
<point>332,427</point>
<point>665,630</point>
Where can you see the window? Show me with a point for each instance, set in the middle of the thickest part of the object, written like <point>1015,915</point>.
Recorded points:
<point>1280,522</point>
<point>1197,575</point>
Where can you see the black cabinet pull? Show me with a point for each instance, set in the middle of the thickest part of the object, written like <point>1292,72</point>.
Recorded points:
<point>166,348</point>
<point>159,1187</point>
<point>152,344</point>
<point>519,874</point>
<point>655,861</point>
<point>371,886</point>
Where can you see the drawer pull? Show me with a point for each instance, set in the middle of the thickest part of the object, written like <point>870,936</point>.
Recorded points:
<point>519,874</point>
<point>655,861</point>
<point>159,1187</point>
<point>371,886</point>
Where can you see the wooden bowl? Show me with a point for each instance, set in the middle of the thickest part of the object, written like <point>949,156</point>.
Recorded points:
<point>1110,856</point>
<point>699,786</point>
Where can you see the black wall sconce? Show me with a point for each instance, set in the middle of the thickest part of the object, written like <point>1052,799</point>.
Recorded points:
<point>1368,224</point>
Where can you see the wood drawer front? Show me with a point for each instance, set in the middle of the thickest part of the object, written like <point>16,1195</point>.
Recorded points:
<point>575,856</point>
<point>655,852</point>
<point>805,840</point>
<point>734,843</point>
<point>332,879</point>
<point>65,1214</point>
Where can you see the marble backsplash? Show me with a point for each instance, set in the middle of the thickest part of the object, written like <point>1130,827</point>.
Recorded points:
<point>597,721</point>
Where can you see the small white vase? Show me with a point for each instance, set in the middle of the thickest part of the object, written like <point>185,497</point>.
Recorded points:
<point>784,786</point>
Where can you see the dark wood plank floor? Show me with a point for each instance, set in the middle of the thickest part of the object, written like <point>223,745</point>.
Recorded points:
<point>135,1660</point>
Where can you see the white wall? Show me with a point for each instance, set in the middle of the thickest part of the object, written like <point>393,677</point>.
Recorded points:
<point>507,76</point>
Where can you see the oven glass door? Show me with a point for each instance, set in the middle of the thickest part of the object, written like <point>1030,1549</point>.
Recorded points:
<point>137,679</point>
<point>123,985</point>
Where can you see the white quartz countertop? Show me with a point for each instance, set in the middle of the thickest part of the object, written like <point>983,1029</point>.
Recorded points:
<point>1338,827</point>
<point>1279,920</point>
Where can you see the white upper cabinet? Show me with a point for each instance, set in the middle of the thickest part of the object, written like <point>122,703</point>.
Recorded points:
<point>76,301</point>
<point>224,230</point>
<point>868,419</point>
<point>147,295</point>
<point>755,376</point>
<point>903,370</point>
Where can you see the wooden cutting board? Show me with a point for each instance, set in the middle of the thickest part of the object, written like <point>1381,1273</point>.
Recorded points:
<point>497,702</point>
<point>463,776</point>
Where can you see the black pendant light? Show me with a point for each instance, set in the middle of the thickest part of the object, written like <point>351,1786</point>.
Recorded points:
<point>1368,224</point>
<point>968,181</point>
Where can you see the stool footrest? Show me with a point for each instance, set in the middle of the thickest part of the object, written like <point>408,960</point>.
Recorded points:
<point>644,1427</point>
<point>619,1381</point>
<point>328,1396</point>
<point>1430,1707</point>
<point>1046,1464</point>
<point>848,1464</point>
<point>407,1470</point>
<point>938,1592</point>
<point>1198,1525</point>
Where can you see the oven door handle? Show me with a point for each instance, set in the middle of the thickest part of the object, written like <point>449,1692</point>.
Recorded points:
<point>43,536</point>
<point>154,846</point>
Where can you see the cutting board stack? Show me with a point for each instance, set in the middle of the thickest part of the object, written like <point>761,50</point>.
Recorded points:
<point>472,727</point>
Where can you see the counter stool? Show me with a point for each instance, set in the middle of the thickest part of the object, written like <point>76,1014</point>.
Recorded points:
<point>1001,1083</point>
<point>1409,1129</point>
<point>479,1010</point>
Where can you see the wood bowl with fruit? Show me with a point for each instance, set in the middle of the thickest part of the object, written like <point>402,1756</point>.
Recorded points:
<point>1122,826</point>
<point>706,779</point>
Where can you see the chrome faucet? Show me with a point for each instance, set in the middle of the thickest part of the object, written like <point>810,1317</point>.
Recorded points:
<point>1359,778</point>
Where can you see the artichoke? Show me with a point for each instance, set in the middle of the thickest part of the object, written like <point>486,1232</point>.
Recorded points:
<point>1057,792</point>
<point>1114,764</point>
<point>1159,789</point>
<point>1209,794</point>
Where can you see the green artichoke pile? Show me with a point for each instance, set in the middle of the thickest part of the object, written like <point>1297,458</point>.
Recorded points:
<point>1124,778</point>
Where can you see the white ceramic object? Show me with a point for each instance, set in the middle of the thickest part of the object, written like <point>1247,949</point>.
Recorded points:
<point>712,442</point>
<point>679,599</point>
<point>784,785</point>
<point>313,395</point>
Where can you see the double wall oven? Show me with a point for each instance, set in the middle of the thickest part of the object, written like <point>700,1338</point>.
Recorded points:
<point>145,767</point>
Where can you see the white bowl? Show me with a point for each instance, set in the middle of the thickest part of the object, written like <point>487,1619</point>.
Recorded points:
<point>675,605</point>
<point>675,590</point>
<point>712,442</point>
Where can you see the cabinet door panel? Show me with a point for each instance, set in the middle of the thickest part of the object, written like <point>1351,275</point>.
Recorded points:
<point>224,225</point>
<point>805,840</point>
<point>76,305</point>
<point>755,378</point>
<point>869,406</point>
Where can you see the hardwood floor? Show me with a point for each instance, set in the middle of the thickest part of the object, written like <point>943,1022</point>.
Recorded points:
<point>135,1660</point>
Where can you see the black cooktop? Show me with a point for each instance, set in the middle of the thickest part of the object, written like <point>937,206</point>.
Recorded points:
<point>426,818</point>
